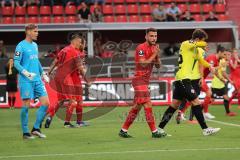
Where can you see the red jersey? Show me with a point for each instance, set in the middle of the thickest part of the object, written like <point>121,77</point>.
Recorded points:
<point>145,51</point>
<point>234,73</point>
<point>213,60</point>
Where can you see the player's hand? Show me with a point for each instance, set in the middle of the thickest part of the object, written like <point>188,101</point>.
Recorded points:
<point>212,70</point>
<point>29,75</point>
<point>157,50</point>
<point>89,83</point>
<point>45,77</point>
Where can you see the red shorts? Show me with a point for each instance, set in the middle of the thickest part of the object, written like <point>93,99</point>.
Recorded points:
<point>236,83</point>
<point>204,87</point>
<point>141,92</point>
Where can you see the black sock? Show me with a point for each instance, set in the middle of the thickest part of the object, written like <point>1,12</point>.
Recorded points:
<point>167,116</point>
<point>13,101</point>
<point>226,105</point>
<point>191,115</point>
<point>197,112</point>
<point>10,101</point>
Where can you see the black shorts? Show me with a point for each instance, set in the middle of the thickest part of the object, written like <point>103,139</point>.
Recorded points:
<point>219,91</point>
<point>196,86</point>
<point>183,89</point>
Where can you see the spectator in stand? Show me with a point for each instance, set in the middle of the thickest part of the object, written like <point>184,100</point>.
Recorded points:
<point>173,12</point>
<point>95,5</point>
<point>159,14</point>
<point>71,2</point>
<point>212,17</point>
<point>187,17</point>
<point>21,3</point>
<point>97,15</point>
<point>98,43</point>
<point>84,13</point>
<point>33,2</point>
<point>2,50</point>
<point>46,2</point>
<point>8,3</point>
<point>217,1</point>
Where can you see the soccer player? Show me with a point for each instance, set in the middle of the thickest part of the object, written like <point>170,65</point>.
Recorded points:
<point>183,88</point>
<point>69,90</point>
<point>219,84</point>
<point>235,75</point>
<point>213,59</point>
<point>146,56</point>
<point>30,84</point>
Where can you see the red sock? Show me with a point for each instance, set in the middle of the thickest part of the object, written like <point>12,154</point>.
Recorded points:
<point>233,96</point>
<point>150,118</point>
<point>79,110</point>
<point>69,112</point>
<point>53,109</point>
<point>185,107</point>
<point>207,101</point>
<point>130,118</point>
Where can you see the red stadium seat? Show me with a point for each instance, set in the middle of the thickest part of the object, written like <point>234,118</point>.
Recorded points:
<point>7,20</point>
<point>108,1</point>
<point>197,17</point>
<point>145,9</point>
<point>58,19</point>
<point>131,1</point>
<point>45,19</point>
<point>45,10</point>
<point>168,1</point>
<point>33,19</point>
<point>118,1</point>
<point>32,10</point>
<point>7,11</point>
<point>183,7</point>
<point>107,9</point>
<point>195,8</point>
<point>20,11</point>
<point>220,8</point>
<point>108,19</point>
<point>57,10</point>
<point>20,20</point>
<point>120,9</point>
<point>207,8</point>
<point>144,1</point>
<point>222,17</point>
<point>121,18</point>
<point>146,18</point>
<point>182,1</point>
<point>134,18</point>
<point>132,9</point>
<point>70,10</point>
<point>156,1</point>
<point>71,19</point>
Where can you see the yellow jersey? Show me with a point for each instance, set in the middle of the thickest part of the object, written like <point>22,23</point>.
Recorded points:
<point>196,73</point>
<point>216,82</point>
<point>188,57</point>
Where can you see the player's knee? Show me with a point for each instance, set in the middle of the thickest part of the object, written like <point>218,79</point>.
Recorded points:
<point>26,102</point>
<point>225,97</point>
<point>195,102</point>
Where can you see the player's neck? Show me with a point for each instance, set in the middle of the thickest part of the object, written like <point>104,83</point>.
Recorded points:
<point>28,39</point>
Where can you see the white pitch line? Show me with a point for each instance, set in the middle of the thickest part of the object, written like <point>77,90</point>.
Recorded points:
<point>120,152</point>
<point>224,123</point>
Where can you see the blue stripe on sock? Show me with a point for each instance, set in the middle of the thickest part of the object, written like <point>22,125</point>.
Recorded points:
<point>24,119</point>
<point>40,116</point>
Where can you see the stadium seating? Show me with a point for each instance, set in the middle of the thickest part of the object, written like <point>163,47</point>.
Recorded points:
<point>107,9</point>
<point>134,18</point>
<point>198,17</point>
<point>7,11</point>
<point>58,19</point>
<point>45,19</point>
<point>33,19</point>
<point>45,10</point>
<point>108,19</point>
<point>146,18</point>
<point>118,1</point>
<point>132,9</point>
<point>183,7</point>
<point>219,8</point>
<point>145,9</point>
<point>57,10</point>
<point>71,19</point>
<point>207,8</point>
<point>70,10</point>
<point>20,11</point>
<point>7,20</point>
<point>195,8</point>
<point>120,9</point>
<point>32,10</point>
<point>222,17</point>
<point>131,1</point>
<point>121,18</point>
<point>20,20</point>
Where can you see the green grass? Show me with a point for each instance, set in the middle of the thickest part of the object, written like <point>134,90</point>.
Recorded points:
<point>101,141</point>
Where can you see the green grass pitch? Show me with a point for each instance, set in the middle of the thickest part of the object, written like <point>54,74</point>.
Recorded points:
<point>100,140</point>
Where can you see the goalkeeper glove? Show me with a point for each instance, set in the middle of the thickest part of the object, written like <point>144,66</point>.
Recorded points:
<point>29,75</point>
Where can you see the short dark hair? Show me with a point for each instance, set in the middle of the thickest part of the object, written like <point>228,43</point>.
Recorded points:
<point>30,26</point>
<point>151,30</point>
<point>200,34</point>
<point>76,35</point>
<point>220,48</point>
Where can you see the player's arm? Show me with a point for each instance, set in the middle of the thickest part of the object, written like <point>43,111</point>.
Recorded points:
<point>52,66</point>
<point>143,61</point>
<point>82,70</point>
<point>157,62</point>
